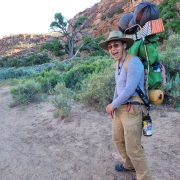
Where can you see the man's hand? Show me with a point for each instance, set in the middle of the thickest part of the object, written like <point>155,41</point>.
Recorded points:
<point>110,110</point>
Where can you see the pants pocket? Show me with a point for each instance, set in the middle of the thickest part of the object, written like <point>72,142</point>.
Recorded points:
<point>133,110</point>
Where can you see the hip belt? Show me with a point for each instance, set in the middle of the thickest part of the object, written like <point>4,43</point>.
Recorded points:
<point>134,103</point>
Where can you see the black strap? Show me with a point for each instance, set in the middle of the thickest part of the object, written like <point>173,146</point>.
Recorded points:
<point>134,103</point>
<point>143,97</point>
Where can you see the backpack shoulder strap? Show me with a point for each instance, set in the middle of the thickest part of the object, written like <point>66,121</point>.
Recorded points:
<point>129,57</point>
<point>143,96</point>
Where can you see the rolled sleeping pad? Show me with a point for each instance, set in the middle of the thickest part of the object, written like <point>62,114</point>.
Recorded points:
<point>156,97</point>
<point>133,28</point>
<point>123,23</point>
<point>145,12</point>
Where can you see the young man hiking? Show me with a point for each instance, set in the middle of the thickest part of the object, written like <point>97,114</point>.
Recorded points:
<point>126,107</point>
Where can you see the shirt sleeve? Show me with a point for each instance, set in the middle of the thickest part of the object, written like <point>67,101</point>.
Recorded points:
<point>115,93</point>
<point>134,74</point>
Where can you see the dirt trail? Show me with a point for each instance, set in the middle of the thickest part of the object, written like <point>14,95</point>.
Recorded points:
<point>36,146</point>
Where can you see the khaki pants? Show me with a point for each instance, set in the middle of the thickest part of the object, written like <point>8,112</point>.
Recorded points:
<point>127,132</point>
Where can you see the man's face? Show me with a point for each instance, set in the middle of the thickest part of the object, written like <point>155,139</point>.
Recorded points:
<point>116,48</point>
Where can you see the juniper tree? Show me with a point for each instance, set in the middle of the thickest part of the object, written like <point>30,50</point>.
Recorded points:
<point>69,31</point>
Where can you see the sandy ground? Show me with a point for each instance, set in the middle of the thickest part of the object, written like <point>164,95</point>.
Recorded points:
<point>36,146</point>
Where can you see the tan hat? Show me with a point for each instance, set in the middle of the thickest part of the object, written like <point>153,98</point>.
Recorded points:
<point>116,36</point>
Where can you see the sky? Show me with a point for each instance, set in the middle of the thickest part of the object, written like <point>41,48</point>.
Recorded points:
<point>35,16</point>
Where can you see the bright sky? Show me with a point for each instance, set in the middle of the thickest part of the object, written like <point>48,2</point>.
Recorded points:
<point>35,16</point>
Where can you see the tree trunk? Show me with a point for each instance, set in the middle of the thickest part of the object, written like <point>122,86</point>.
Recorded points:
<point>70,48</point>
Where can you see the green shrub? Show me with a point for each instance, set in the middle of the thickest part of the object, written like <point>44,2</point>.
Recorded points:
<point>173,42</point>
<point>25,93</point>
<point>172,91</point>
<point>171,60</point>
<point>54,46</point>
<point>171,57</point>
<point>41,58</point>
<point>97,90</point>
<point>169,14</point>
<point>76,75</point>
<point>92,46</point>
<point>85,60</point>
<point>3,61</point>
<point>48,80</point>
<point>7,73</point>
<point>77,61</point>
<point>80,71</point>
<point>28,59</point>
<point>59,66</point>
<point>62,100</point>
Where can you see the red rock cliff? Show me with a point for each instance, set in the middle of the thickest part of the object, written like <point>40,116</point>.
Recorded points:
<point>104,16</point>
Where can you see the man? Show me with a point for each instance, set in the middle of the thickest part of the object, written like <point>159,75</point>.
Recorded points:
<point>126,107</point>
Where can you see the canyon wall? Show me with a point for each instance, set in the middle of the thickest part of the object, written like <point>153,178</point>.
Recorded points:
<point>104,16</point>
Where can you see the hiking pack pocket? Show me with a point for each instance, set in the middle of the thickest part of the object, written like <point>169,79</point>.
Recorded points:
<point>154,80</point>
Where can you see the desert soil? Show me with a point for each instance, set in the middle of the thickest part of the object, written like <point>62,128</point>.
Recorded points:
<point>36,146</point>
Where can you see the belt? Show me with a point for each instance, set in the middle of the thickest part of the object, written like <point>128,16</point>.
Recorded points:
<point>134,103</point>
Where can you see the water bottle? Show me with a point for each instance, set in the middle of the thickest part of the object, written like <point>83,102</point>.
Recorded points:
<point>157,67</point>
<point>147,125</point>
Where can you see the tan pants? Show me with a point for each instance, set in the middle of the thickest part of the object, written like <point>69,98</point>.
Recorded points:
<point>127,132</point>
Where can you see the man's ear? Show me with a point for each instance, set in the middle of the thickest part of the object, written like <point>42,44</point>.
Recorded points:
<point>124,45</point>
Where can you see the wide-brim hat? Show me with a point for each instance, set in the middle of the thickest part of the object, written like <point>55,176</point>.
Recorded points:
<point>116,36</point>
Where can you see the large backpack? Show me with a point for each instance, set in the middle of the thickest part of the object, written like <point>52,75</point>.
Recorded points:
<point>146,50</point>
<point>142,25</point>
<point>149,56</point>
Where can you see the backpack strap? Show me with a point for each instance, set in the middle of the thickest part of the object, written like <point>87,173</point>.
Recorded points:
<point>140,93</point>
<point>127,61</point>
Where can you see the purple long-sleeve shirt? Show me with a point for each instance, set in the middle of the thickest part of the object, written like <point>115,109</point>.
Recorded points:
<point>127,81</point>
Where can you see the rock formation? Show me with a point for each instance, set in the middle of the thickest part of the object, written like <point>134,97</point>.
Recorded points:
<point>104,16</point>
<point>17,44</point>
